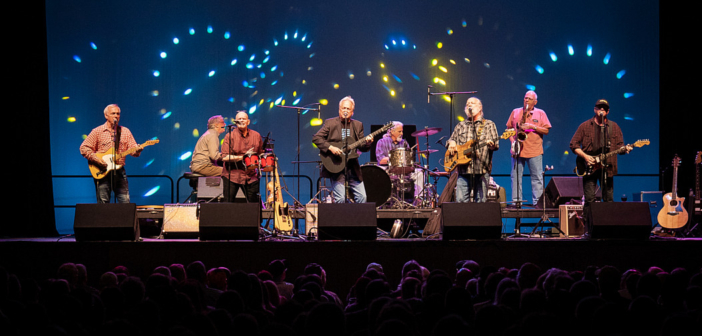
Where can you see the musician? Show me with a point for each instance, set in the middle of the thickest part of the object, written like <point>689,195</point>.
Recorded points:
<point>476,174</point>
<point>530,128</point>
<point>391,140</point>
<point>338,130</point>
<point>102,139</point>
<point>207,151</point>
<point>598,135</point>
<point>239,143</point>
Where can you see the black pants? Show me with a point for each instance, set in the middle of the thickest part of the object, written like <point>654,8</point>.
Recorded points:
<point>590,191</point>
<point>251,191</point>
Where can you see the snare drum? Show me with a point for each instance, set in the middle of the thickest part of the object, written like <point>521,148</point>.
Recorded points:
<point>400,161</point>
<point>251,161</point>
<point>268,162</point>
<point>377,184</point>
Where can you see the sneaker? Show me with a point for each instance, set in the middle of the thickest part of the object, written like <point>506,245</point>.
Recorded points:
<point>585,236</point>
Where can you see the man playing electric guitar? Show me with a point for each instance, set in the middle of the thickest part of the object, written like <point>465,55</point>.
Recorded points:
<point>340,131</point>
<point>599,135</point>
<point>476,174</point>
<point>102,139</point>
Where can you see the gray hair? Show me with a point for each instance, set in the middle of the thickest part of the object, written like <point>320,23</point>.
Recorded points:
<point>214,121</point>
<point>395,124</point>
<point>348,98</point>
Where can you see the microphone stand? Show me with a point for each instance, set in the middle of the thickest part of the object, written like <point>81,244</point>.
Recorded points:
<point>450,94</point>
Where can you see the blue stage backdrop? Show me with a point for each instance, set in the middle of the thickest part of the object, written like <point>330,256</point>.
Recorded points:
<point>170,65</point>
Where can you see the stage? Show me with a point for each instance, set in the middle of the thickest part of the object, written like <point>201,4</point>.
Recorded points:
<point>345,260</point>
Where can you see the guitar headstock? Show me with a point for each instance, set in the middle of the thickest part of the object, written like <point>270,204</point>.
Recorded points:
<point>676,161</point>
<point>698,158</point>
<point>508,133</point>
<point>642,143</point>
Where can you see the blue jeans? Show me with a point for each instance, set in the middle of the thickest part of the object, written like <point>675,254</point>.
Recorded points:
<point>537,177</point>
<point>116,182</point>
<point>358,190</point>
<point>465,183</point>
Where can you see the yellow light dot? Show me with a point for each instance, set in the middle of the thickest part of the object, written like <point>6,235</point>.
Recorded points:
<point>324,101</point>
<point>403,105</point>
<point>382,65</point>
<point>436,79</point>
<point>566,153</point>
<point>162,111</point>
<point>71,119</point>
<point>316,122</point>
<point>443,68</point>
<point>294,93</point>
<point>439,45</point>
<point>304,82</point>
<point>351,76</point>
<point>392,93</point>
<point>385,78</point>
<point>449,31</point>
<point>176,125</point>
<point>434,62</point>
<point>84,136</point>
<point>154,93</point>
<point>460,118</point>
<point>271,105</point>
<point>452,62</point>
<point>447,98</point>
<point>260,102</point>
<point>467,60</point>
<point>65,98</point>
<point>336,86</point>
<point>196,133</point>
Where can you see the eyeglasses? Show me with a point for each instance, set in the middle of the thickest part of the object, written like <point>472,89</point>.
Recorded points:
<point>605,108</point>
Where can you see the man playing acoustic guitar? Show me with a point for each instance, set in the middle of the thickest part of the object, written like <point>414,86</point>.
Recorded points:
<point>102,139</point>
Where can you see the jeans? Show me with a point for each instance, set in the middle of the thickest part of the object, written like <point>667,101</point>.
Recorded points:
<point>464,184</point>
<point>537,177</point>
<point>358,190</point>
<point>114,181</point>
<point>590,191</point>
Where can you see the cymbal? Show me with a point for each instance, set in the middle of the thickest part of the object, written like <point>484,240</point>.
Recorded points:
<point>429,151</point>
<point>426,131</point>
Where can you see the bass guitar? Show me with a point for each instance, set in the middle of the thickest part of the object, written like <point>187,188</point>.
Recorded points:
<point>584,169</point>
<point>337,163</point>
<point>673,215</point>
<point>110,158</point>
<point>463,154</point>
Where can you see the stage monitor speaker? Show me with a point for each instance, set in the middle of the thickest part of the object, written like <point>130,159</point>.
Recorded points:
<point>106,221</point>
<point>230,221</point>
<point>180,221</point>
<point>347,221</point>
<point>561,189</point>
<point>620,220</point>
<point>471,221</point>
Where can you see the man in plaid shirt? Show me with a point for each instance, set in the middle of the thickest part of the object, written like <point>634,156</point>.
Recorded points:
<point>102,139</point>
<point>476,174</point>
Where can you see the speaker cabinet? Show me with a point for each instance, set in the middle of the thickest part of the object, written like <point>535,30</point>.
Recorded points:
<point>347,221</point>
<point>108,221</point>
<point>471,221</point>
<point>180,221</point>
<point>620,220</point>
<point>571,220</point>
<point>560,190</point>
<point>230,221</point>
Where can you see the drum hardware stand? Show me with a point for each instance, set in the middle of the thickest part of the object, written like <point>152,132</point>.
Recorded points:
<point>544,217</point>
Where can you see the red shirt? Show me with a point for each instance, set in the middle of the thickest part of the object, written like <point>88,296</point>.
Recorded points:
<point>534,143</point>
<point>101,139</point>
<point>236,143</point>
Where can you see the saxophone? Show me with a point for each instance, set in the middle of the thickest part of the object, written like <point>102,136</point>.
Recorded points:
<point>521,135</point>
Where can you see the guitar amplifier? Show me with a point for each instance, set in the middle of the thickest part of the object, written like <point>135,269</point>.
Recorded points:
<point>654,200</point>
<point>209,188</point>
<point>571,219</point>
<point>180,221</point>
<point>311,217</point>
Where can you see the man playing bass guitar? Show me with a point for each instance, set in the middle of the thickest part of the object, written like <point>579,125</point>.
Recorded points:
<point>596,136</point>
<point>338,166</point>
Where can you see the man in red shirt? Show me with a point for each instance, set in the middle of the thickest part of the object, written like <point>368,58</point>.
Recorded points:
<point>240,143</point>
<point>101,139</point>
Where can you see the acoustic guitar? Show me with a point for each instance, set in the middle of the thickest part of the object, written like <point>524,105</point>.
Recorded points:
<point>336,163</point>
<point>110,158</point>
<point>673,215</point>
<point>464,152</point>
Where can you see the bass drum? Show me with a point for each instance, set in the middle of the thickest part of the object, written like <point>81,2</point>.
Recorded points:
<point>377,184</point>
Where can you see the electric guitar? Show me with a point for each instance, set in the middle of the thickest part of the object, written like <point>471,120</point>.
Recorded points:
<point>584,169</point>
<point>673,215</point>
<point>697,206</point>
<point>464,152</point>
<point>337,163</point>
<point>282,220</point>
<point>110,158</point>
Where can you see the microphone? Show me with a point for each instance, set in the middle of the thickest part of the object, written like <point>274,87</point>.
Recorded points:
<point>428,93</point>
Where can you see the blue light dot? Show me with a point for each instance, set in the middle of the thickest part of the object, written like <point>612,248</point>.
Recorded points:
<point>233,62</point>
<point>187,92</point>
<point>531,87</point>
<point>252,109</point>
<point>241,48</point>
<point>191,31</point>
<point>212,73</point>
<point>265,60</point>
<point>166,115</point>
<point>386,47</point>
<point>93,45</point>
<point>231,99</point>
<point>295,35</point>
<point>163,54</point>
<point>274,68</point>
<point>397,78</point>
<point>275,42</point>
<point>414,76</point>
<point>403,42</point>
<point>297,101</point>
<point>149,163</point>
<point>176,40</point>
<point>539,69</point>
<point>285,37</point>
<point>309,45</point>
<point>621,74</point>
<point>185,156</point>
<point>249,65</point>
<point>303,38</point>
<point>606,58</point>
<point>553,56</point>
<point>262,75</point>
<point>277,101</point>
<point>571,51</point>
<point>274,83</point>
<point>77,58</point>
<point>152,191</point>
<point>209,29</point>
<point>252,57</point>
<point>156,73</point>
<point>589,50</point>
<point>394,42</point>
<point>227,35</point>
<point>628,95</point>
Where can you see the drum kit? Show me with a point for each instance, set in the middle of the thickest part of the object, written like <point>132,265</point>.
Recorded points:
<point>403,183</point>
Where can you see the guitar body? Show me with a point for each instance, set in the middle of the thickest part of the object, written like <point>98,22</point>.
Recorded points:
<point>282,219</point>
<point>517,148</point>
<point>108,158</point>
<point>462,156</point>
<point>673,215</point>
<point>583,169</point>
<point>336,163</point>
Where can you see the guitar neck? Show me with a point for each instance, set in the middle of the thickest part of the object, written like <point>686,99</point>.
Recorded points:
<point>373,134</point>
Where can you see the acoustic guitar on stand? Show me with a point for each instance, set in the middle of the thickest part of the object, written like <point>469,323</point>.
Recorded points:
<point>673,215</point>
<point>110,158</point>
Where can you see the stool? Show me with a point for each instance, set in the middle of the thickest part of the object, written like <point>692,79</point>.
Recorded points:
<point>192,181</point>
